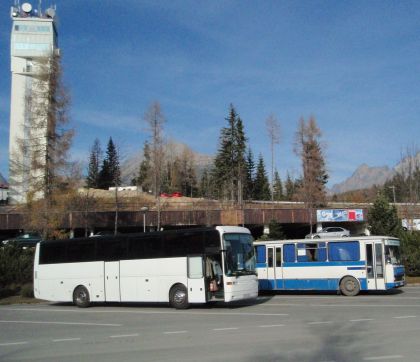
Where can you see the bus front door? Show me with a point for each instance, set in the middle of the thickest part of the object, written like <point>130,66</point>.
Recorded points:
<point>196,281</point>
<point>375,266</point>
<point>112,281</point>
<point>274,268</point>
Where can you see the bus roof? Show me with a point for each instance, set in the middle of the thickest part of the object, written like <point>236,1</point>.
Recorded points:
<point>323,240</point>
<point>221,229</point>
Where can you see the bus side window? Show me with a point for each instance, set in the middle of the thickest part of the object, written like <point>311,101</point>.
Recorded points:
<point>278,257</point>
<point>270,257</point>
<point>81,250</point>
<point>153,247</point>
<point>212,239</point>
<point>111,249</point>
<point>344,251</point>
<point>53,253</point>
<point>289,253</point>
<point>311,252</point>
<point>135,248</point>
<point>261,255</point>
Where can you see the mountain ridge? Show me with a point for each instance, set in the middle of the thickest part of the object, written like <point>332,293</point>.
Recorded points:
<point>366,176</point>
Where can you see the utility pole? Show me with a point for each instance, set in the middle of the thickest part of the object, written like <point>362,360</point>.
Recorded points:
<point>393,192</point>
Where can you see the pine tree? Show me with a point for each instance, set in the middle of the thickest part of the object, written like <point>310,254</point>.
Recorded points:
<point>276,231</point>
<point>229,165</point>
<point>239,159</point>
<point>277,187</point>
<point>187,177</point>
<point>383,218</point>
<point>95,158</point>
<point>191,180</point>
<point>143,178</point>
<point>204,187</point>
<point>261,185</point>
<point>110,174</point>
<point>169,177</point>
<point>290,188</point>
<point>249,175</point>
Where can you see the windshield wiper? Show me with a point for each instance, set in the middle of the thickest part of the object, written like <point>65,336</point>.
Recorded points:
<point>243,272</point>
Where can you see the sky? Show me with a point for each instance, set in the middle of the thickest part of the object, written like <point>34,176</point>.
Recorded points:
<point>353,65</point>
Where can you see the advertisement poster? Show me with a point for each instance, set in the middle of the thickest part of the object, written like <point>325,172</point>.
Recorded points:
<point>335,215</point>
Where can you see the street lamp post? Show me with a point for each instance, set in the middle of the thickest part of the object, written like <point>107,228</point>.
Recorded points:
<point>393,192</point>
<point>144,210</point>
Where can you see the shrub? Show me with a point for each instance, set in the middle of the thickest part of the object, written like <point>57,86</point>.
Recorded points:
<point>276,231</point>
<point>16,268</point>
<point>410,242</point>
<point>27,290</point>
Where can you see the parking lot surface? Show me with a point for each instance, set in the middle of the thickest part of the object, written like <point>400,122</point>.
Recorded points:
<point>276,327</point>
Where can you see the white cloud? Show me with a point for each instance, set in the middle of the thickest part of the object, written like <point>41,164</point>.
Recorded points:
<point>102,119</point>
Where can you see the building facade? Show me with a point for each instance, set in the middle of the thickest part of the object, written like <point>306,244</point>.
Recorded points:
<point>33,43</point>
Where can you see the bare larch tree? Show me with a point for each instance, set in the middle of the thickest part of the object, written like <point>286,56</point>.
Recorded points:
<point>273,129</point>
<point>41,163</point>
<point>155,121</point>
<point>308,147</point>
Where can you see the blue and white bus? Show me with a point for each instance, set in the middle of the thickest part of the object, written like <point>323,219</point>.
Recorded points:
<point>348,265</point>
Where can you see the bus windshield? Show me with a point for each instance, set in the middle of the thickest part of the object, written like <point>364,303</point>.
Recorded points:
<point>392,254</point>
<point>239,255</point>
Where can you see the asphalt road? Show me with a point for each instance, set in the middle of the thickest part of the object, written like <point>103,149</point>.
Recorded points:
<point>279,327</point>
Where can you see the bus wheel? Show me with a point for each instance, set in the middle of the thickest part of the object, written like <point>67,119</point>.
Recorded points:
<point>81,297</point>
<point>349,286</point>
<point>178,297</point>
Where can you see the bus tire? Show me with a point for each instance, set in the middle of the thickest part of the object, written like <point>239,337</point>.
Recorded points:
<point>81,297</point>
<point>349,286</point>
<point>178,297</point>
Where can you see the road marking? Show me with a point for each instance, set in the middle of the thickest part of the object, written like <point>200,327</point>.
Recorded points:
<point>326,322</point>
<point>65,323</point>
<point>125,335</point>
<point>225,329</point>
<point>147,312</point>
<point>340,297</point>
<point>12,344</point>
<point>272,325</point>
<point>175,332</point>
<point>367,305</point>
<point>285,305</point>
<point>361,320</point>
<point>405,316</point>
<point>379,358</point>
<point>66,339</point>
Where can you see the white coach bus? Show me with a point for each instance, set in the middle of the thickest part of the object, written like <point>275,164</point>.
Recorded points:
<point>179,266</point>
<point>348,265</point>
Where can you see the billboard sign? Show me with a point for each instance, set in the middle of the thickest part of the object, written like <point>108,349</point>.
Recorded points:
<point>339,215</point>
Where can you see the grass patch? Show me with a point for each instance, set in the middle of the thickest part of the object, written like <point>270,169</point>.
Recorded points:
<point>412,280</point>
<point>17,299</point>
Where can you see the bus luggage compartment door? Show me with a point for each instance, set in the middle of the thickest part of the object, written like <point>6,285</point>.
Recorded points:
<point>112,281</point>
